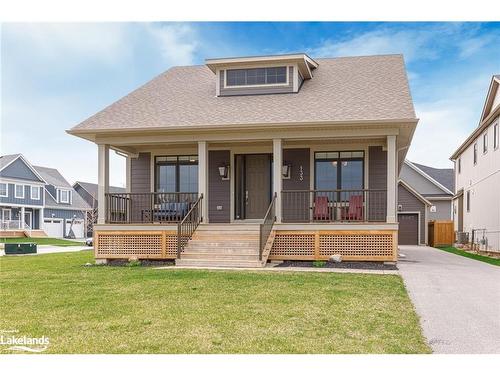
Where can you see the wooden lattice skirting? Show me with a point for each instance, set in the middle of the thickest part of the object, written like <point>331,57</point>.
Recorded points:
<point>159,244</point>
<point>380,245</point>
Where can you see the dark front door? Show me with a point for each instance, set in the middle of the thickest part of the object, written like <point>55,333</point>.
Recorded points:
<point>408,229</point>
<point>253,182</point>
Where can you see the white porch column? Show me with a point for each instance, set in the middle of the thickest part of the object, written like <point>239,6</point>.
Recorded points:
<point>277,178</point>
<point>203,177</point>
<point>391,179</point>
<point>21,219</point>
<point>102,181</point>
<point>128,163</point>
<point>40,217</point>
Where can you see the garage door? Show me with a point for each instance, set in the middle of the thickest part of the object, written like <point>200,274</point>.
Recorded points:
<point>77,228</point>
<point>408,229</point>
<point>53,228</point>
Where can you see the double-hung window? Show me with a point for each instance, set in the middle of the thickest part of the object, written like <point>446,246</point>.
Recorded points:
<point>485,143</point>
<point>19,191</point>
<point>176,174</point>
<point>4,189</point>
<point>467,201</point>
<point>35,193</point>
<point>475,153</point>
<point>63,196</point>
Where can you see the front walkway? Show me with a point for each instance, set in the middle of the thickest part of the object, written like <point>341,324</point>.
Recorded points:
<point>457,299</point>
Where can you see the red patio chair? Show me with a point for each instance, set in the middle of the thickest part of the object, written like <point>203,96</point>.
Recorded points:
<point>355,210</point>
<point>321,211</point>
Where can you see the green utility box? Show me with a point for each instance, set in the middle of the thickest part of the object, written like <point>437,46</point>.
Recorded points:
<point>20,248</point>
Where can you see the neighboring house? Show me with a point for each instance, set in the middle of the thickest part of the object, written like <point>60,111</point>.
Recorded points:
<point>22,199</point>
<point>424,194</point>
<point>88,192</point>
<point>476,204</point>
<point>41,196</point>
<point>247,159</point>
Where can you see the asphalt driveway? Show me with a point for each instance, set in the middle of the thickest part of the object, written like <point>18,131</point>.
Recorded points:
<point>457,299</point>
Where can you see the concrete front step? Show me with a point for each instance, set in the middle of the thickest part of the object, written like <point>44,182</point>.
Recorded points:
<point>218,263</point>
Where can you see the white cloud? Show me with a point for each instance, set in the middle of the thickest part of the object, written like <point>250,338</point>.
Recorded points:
<point>412,43</point>
<point>177,42</point>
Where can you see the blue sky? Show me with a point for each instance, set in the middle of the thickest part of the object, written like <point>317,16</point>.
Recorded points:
<point>53,76</point>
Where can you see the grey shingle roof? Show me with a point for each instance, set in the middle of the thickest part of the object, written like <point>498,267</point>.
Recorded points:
<point>92,188</point>
<point>52,176</point>
<point>6,159</point>
<point>343,89</point>
<point>445,176</point>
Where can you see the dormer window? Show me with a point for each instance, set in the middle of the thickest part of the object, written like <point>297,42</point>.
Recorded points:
<point>63,196</point>
<point>257,76</point>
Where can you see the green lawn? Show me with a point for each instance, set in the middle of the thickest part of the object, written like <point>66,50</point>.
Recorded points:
<point>42,241</point>
<point>142,310</point>
<point>482,258</point>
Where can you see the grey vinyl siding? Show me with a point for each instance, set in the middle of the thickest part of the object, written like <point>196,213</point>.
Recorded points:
<point>299,159</point>
<point>27,196</point>
<point>410,202</point>
<point>140,173</point>
<point>301,80</point>
<point>258,90</point>
<point>218,190</point>
<point>86,196</point>
<point>62,214</point>
<point>377,179</point>
<point>19,170</point>
<point>443,210</point>
<point>419,182</point>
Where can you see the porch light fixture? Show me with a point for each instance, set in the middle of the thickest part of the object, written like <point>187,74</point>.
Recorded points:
<point>285,170</point>
<point>224,172</point>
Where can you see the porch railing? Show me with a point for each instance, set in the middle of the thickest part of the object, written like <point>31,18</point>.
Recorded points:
<point>188,225</point>
<point>266,226</point>
<point>11,225</point>
<point>135,208</point>
<point>334,205</point>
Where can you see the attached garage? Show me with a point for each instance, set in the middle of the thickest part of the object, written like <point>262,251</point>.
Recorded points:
<point>408,229</point>
<point>53,227</point>
<point>78,227</point>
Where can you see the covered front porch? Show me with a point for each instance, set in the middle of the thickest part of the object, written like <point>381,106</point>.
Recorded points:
<point>309,198</point>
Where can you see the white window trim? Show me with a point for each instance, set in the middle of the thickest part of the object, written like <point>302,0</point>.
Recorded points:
<point>32,188</point>
<point>6,190</point>
<point>4,210</point>
<point>287,83</point>
<point>474,153</point>
<point>459,165</point>
<point>496,137</point>
<point>59,191</point>
<point>485,144</point>
<point>15,191</point>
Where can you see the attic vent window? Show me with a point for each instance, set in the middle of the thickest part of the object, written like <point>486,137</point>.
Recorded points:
<point>256,76</point>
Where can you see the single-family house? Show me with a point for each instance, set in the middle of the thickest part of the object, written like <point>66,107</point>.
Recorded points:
<point>476,205</point>
<point>424,194</point>
<point>248,159</point>
<point>38,201</point>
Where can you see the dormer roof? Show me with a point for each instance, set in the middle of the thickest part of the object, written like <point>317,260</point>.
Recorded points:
<point>304,62</point>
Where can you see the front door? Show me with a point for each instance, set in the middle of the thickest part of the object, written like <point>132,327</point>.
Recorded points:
<point>28,218</point>
<point>253,184</point>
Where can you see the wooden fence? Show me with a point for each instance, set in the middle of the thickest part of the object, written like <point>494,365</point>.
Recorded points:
<point>441,233</point>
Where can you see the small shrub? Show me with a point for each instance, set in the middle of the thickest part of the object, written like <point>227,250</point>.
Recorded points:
<point>134,263</point>
<point>319,263</point>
